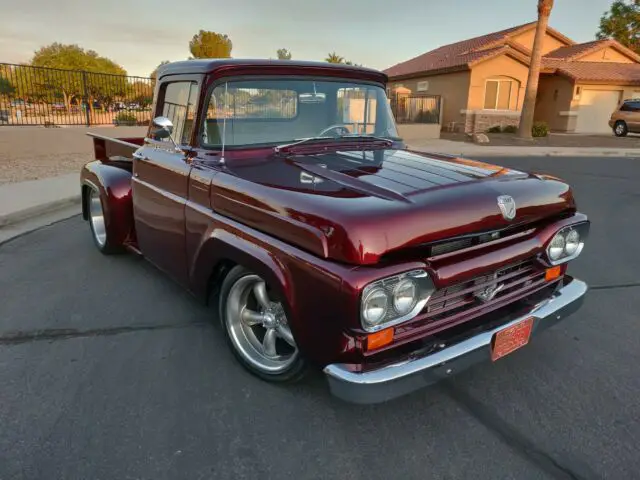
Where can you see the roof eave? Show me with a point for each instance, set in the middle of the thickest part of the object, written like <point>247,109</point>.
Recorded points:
<point>632,83</point>
<point>429,73</point>
<point>611,43</point>
<point>510,53</point>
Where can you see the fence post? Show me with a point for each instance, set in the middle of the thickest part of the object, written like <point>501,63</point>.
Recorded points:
<point>87,110</point>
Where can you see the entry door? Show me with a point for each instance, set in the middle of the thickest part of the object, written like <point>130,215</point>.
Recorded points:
<point>161,183</point>
<point>596,107</point>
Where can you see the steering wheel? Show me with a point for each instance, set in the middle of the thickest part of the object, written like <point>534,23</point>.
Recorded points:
<point>338,129</point>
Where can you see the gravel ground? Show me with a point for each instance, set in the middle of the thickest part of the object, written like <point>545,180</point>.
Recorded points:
<point>30,153</point>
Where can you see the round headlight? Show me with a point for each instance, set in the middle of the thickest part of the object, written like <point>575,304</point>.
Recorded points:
<point>572,242</point>
<point>375,306</point>
<point>556,247</point>
<point>405,296</point>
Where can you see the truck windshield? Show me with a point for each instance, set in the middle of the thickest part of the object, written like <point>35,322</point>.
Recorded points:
<point>283,110</point>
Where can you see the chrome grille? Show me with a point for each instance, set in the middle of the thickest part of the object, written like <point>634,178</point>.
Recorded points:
<point>462,243</point>
<point>457,299</point>
<point>442,248</point>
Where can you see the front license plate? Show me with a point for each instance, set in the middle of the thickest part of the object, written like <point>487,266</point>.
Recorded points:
<point>511,338</point>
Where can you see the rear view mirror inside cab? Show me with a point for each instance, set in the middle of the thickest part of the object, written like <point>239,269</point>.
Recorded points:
<point>312,98</point>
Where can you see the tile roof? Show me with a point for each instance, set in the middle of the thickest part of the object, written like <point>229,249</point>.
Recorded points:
<point>574,51</point>
<point>456,55</point>
<point>461,55</point>
<point>608,72</point>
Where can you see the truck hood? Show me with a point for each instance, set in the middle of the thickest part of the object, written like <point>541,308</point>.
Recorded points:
<point>356,206</point>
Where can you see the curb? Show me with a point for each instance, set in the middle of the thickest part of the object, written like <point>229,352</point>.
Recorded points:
<point>37,210</point>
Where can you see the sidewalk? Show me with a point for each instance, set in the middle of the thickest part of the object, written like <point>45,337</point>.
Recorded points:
<point>24,200</point>
<point>450,147</point>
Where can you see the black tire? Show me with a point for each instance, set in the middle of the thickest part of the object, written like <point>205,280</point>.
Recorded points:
<point>99,233</point>
<point>293,372</point>
<point>620,128</point>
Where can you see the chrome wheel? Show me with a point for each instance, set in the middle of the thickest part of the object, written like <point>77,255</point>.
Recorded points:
<point>620,128</point>
<point>258,326</point>
<point>96,216</point>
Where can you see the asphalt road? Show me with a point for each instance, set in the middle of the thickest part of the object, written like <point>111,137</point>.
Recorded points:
<point>110,371</point>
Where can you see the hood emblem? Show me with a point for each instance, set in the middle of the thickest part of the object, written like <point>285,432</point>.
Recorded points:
<point>507,206</point>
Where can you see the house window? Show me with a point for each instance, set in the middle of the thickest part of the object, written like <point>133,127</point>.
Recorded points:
<point>497,94</point>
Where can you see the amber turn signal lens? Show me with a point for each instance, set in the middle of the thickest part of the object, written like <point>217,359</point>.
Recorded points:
<point>379,339</point>
<point>553,273</point>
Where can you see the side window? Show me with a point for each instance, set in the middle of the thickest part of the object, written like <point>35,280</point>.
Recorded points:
<point>179,104</point>
<point>630,106</point>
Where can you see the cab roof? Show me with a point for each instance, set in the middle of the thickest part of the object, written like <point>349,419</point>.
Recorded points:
<point>231,66</point>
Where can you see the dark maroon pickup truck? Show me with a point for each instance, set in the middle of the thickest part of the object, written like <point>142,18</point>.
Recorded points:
<point>281,193</point>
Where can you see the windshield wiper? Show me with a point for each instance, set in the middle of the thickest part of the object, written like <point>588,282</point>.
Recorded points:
<point>367,138</point>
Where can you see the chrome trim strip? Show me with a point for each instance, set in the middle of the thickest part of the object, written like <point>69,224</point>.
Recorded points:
<point>398,379</point>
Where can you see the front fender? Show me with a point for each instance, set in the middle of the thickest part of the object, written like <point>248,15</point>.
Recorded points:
<point>114,185</point>
<point>310,288</point>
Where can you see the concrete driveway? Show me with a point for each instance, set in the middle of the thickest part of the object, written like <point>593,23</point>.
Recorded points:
<point>110,371</point>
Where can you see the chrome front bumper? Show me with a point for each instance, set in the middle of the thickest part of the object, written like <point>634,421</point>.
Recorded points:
<point>401,378</point>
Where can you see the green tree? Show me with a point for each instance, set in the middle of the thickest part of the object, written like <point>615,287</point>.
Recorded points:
<point>6,88</point>
<point>210,45</point>
<point>140,92</point>
<point>284,54</point>
<point>622,22</point>
<point>72,85</point>
<point>334,58</point>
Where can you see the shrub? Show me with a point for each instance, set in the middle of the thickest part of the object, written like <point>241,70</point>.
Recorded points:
<point>494,129</point>
<point>540,129</point>
<point>510,129</point>
<point>125,118</point>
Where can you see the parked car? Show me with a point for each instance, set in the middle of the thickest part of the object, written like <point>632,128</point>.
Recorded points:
<point>626,118</point>
<point>316,247</point>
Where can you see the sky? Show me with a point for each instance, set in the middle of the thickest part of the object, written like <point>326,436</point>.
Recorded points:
<point>139,34</point>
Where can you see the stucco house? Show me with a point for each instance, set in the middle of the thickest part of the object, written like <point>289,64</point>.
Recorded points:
<point>482,80</point>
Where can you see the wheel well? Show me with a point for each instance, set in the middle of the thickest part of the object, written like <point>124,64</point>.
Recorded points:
<point>217,276</point>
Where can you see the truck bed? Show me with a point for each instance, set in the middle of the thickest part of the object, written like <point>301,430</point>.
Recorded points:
<point>108,149</point>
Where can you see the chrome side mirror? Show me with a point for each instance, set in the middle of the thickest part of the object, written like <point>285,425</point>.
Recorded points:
<point>163,127</point>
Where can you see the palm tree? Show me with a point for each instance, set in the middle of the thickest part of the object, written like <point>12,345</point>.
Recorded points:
<point>334,58</point>
<point>529,105</point>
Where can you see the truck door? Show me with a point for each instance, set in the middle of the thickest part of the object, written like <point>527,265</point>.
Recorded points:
<point>161,179</point>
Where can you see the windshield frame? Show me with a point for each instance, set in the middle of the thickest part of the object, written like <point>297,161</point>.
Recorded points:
<point>217,82</point>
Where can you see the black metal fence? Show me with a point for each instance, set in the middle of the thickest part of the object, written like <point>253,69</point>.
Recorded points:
<point>416,108</point>
<point>49,96</point>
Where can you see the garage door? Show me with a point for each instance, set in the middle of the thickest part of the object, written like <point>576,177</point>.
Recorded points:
<point>596,107</point>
